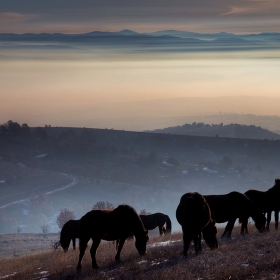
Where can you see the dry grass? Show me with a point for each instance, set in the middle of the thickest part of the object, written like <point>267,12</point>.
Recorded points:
<point>255,256</point>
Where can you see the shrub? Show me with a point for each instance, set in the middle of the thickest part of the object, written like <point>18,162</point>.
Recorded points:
<point>64,216</point>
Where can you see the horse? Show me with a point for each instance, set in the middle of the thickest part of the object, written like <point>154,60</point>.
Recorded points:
<point>157,220</point>
<point>70,231</point>
<point>116,224</point>
<point>194,215</point>
<point>266,201</point>
<point>229,207</point>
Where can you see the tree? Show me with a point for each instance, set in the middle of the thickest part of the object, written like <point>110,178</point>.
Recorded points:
<point>64,216</point>
<point>45,229</point>
<point>103,205</point>
<point>144,212</point>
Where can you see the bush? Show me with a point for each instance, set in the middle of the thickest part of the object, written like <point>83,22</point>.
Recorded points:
<point>64,216</point>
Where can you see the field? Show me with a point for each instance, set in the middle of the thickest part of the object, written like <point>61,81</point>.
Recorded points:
<point>255,256</point>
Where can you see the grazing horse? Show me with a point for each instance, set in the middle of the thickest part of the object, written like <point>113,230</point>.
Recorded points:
<point>70,231</point>
<point>194,215</point>
<point>266,201</point>
<point>157,220</point>
<point>117,224</point>
<point>229,207</point>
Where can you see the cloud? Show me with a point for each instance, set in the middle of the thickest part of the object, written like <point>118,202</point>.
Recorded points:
<point>10,17</point>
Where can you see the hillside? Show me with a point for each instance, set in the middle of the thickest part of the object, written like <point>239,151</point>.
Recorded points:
<point>228,130</point>
<point>255,256</point>
<point>51,168</point>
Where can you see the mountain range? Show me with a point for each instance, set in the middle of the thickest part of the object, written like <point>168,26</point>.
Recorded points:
<point>165,40</point>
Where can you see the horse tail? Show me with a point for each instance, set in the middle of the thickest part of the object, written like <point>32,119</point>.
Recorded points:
<point>168,224</point>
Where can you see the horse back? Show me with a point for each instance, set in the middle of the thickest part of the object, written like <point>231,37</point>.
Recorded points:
<point>262,199</point>
<point>193,211</point>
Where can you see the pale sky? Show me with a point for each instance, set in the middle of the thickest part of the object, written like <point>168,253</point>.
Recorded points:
<point>93,88</point>
<point>72,16</point>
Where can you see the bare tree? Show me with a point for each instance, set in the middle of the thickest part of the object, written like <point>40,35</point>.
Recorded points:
<point>103,205</point>
<point>64,216</point>
<point>45,229</point>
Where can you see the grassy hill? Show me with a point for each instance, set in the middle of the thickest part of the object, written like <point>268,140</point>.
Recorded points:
<point>228,130</point>
<point>255,256</point>
<point>146,170</point>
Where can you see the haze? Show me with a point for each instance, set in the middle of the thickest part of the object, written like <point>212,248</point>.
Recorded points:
<point>137,85</point>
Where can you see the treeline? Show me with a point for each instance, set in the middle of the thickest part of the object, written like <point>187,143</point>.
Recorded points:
<point>232,130</point>
<point>14,128</point>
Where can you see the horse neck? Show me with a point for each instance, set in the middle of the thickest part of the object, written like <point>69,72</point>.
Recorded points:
<point>137,227</point>
<point>275,190</point>
<point>255,212</point>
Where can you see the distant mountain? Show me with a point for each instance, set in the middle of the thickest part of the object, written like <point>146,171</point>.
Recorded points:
<point>161,41</point>
<point>229,130</point>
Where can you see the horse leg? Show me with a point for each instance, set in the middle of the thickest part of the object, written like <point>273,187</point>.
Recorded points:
<point>187,237</point>
<point>83,246</point>
<point>276,217</point>
<point>117,244</point>
<point>160,230</point>
<point>246,226</point>
<point>120,246</point>
<point>94,246</point>
<point>229,228</point>
<point>74,243</point>
<point>164,229</point>
<point>244,223</point>
<point>268,220</point>
<point>197,242</point>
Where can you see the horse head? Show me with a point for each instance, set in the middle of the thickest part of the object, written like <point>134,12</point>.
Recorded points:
<point>209,234</point>
<point>140,243</point>
<point>260,224</point>
<point>65,242</point>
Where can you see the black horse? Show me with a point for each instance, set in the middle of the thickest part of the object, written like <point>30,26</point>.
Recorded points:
<point>157,220</point>
<point>266,201</point>
<point>70,231</point>
<point>117,224</point>
<point>194,215</point>
<point>229,207</point>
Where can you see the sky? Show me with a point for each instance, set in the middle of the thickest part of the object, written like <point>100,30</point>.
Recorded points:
<point>94,88</point>
<point>72,16</point>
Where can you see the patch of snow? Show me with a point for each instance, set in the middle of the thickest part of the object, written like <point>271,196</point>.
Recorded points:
<point>41,156</point>
<point>168,164</point>
<point>165,243</point>
<point>144,261</point>
<point>25,212</point>
<point>184,172</point>
<point>8,275</point>
<point>206,169</point>
<point>2,182</point>
<point>245,264</point>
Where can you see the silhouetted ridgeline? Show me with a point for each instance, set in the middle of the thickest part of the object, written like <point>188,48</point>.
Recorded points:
<point>229,130</point>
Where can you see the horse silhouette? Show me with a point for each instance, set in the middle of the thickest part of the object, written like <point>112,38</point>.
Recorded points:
<point>194,215</point>
<point>70,231</point>
<point>157,220</point>
<point>229,207</point>
<point>111,225</point>
<point>267,201</point>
